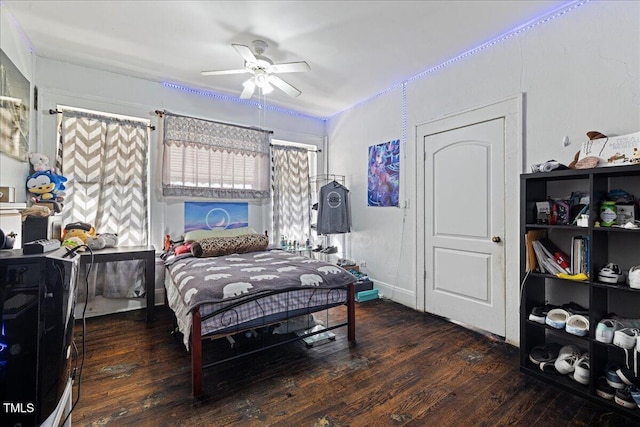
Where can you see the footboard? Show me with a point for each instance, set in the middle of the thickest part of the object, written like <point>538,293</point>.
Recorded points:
<point>230,313</point>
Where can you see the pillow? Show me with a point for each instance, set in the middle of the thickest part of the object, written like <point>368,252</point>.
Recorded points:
<point>197,235</point>
<point>218,246</point>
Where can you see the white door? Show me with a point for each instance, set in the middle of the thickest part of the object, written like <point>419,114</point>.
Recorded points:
<point>464,224</point>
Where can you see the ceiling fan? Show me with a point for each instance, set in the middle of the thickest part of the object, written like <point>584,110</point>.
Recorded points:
<point>264,71</point>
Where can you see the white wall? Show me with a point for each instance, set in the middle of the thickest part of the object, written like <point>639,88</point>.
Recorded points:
<point>579,72</point>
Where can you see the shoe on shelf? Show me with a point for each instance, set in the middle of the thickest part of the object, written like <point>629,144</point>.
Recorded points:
<point>635,394</point>
<point>633,277</point>
<point>627,376</point>
<point>612,377</point>
<point>582,368</point>
<point>539,314</point>
<point>557,318</point>
<point>574,308</point>
<point>544,353</point>
<point>605,330</point>
<point>611,273</point>
<point>626,338</point>
<point>317,249</point>
<point>628,322</point>
<point>577,324</point>
<point>548,367</point>
<point>567,358</point>
<point>604,390</point>
<point>623,398</point>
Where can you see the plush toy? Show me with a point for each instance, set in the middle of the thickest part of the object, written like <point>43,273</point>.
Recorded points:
<point>39,162</point>
<point>46,186</point>
<point>73,242</point>
<point>81,230</point>
<point>103,240</point>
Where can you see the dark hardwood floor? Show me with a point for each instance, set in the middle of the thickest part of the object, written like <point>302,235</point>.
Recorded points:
<point>407,369</point>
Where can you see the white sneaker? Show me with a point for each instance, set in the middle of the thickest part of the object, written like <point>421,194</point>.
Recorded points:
<point>577,325</point>
<point>611,273</point>
<point>605,330</point>
<point>626,338</point>
<point>557,318</point>
<point>581,370</point>
<point>567,358</point>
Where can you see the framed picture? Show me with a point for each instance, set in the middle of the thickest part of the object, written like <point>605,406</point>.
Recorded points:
<point>384,174</point>
<point>14,110</point>
<point>215,216</point>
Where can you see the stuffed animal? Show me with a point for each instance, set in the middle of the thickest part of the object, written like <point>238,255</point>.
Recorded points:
<point>46,186</point>
<point>103,240</point>
<point>73,242</point>
<point>81,230</point>
<point>39,162</point>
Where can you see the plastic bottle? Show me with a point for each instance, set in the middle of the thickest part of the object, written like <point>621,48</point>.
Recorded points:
<point>608,213</point>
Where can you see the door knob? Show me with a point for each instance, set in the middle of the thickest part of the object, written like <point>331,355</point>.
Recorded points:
<point>496,239</point>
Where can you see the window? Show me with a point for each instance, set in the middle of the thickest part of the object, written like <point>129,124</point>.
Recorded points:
<point>204,158</point>
<point>292,165</point>
<point>105,160</point>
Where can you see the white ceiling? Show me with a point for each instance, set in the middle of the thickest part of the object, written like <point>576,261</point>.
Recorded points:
<point>356,49</point>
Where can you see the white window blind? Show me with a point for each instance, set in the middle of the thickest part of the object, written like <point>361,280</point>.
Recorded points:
<point>204,158</point>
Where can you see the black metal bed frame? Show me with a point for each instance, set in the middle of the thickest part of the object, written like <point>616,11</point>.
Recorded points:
<point>196,338</point>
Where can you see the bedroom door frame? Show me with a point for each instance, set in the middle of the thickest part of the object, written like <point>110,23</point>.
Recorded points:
<point>512,110</point>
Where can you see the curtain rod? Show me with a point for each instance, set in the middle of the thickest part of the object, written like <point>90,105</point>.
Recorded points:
<point>161,113</point>
<point>316,150</point>
<point>52,111</point>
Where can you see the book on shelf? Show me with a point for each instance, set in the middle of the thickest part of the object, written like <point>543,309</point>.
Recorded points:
<point>544,256</point>
<point>577,254</point>
<point>580,255</point>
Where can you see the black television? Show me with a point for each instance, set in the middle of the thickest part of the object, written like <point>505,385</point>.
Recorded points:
<point>37,297</point>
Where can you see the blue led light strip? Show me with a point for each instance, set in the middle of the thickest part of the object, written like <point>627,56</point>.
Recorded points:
<point>250,102</point>
<point>516,31</point>
<point>17,26</point>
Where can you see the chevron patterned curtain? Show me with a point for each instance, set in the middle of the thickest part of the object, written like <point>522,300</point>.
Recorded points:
<point>105,162</point>
<point>291,196</point>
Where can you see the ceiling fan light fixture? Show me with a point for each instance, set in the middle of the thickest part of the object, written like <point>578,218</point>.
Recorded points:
<point>261,79</point>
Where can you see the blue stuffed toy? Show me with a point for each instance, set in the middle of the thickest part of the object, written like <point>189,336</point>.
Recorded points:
<point>46,186</point>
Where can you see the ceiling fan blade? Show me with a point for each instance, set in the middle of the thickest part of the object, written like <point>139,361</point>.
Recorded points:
<point>223,72</point>
<point>290,67</point>
<point>245,52</point>
<point>249,87</point>
<point>283,86</point>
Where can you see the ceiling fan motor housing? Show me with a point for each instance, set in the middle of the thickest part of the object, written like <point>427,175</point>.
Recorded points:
<point>259,46</point>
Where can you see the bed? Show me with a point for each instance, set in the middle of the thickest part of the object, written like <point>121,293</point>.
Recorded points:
<point>227,285</point>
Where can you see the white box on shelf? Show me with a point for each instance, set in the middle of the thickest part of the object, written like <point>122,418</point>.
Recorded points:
<point>625,213</point>
<point>613,150</point>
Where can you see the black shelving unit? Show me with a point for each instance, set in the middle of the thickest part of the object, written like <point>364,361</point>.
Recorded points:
<point>607,244</point>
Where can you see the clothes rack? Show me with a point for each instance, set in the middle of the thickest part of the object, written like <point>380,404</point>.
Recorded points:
<point>316,182</point>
